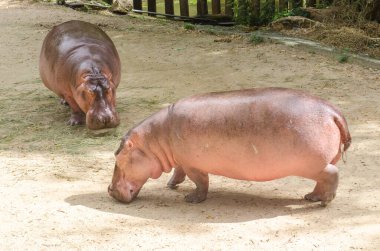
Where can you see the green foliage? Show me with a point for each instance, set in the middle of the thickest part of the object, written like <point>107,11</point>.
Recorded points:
<point>322,5</point>
<point>267,12</point>
<point>256,39</point>
<point>281,14</point>
<point>188,26</point>
<point>242,11</point>
<point>299,12</point>
<point>210,31</point>
<point>293,12</point>
<point>343,57</point>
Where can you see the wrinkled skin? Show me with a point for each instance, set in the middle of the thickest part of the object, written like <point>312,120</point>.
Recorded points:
<point>256,134</point>
<point>79,63</point>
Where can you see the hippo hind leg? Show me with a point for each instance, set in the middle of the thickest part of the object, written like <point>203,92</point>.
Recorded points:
<point>201,181</point>
<point>178,177</point>
<point>327,183</point>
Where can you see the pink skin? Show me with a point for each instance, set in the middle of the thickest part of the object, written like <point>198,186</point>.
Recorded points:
<point>257,135</point>
<point>79,63</point>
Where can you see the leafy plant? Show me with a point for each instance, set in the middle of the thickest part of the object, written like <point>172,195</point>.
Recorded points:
<point>256,39</point>
<point>188,26</point>
<point>294,12</point>
<point>242,10</point>
<point>343,58</point>
<point>267,13</point>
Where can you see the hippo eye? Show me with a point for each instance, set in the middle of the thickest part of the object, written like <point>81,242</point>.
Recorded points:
<point>131,191</point>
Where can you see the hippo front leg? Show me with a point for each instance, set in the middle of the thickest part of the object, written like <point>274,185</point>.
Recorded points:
<point>327,183</point>
<point>201,181</point>
<point>78,117</point>
<point>178,177</point>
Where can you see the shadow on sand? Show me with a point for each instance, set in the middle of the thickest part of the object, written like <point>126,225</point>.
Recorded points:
<point>220,207</point>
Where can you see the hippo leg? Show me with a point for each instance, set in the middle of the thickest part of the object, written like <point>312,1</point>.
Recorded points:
<point>327,183</point>
<point>201,181</point>
<point>178,177</point>
<point>77,116</point>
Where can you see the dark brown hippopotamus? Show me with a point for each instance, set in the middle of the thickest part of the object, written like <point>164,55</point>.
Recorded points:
<point>79,63</point>
<point>255,134</point>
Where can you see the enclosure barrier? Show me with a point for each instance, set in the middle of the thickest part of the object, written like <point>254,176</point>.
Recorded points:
<point>202,7</point>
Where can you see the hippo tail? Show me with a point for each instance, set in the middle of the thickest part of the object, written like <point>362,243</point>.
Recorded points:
<point>345,136</point>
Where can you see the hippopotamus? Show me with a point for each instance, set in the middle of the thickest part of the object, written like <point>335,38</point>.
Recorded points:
<point>80,64</point>
<point>255,135</point>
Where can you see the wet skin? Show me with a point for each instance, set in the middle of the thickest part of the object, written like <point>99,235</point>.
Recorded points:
<point>79,63</point>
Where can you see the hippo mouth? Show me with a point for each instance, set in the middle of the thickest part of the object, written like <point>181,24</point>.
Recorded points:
<point>123,195</point>
<point>96,120</point>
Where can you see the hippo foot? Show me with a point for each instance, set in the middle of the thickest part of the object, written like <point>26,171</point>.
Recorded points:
<point>195,197</point>
<point>77,119</point>
<point>172,185</point>
<point>178,177</point>
<point>324,199</point>
<point>327,184</point>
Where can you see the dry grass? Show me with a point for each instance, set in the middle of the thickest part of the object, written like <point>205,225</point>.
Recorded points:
<point>362,40</point>
<point>344,28</point>
<point>351,38</point>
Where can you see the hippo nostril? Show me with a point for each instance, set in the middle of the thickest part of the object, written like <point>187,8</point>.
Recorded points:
<point>131,191</point>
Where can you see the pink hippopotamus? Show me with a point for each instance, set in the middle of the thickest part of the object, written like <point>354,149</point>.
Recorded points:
<point>255,134</point>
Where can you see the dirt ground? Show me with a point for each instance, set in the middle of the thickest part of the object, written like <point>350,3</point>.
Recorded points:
<point>53,178</point>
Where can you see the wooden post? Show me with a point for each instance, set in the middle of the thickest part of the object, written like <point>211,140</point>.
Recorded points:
<point>202,9</point>
<point>184,8</point>
<point>152,7</point>
<point>229,8</point>
<point>281,5</point>
<point>169,7</point>
<point>256,9</point>
<point>215,7</point>
<point>137,5</point>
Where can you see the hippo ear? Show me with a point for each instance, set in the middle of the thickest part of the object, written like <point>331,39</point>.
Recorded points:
<point>128,144</point>
<point>124,143</point>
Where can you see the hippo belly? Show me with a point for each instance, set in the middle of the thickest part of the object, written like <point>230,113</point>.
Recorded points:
<point>265,142</point>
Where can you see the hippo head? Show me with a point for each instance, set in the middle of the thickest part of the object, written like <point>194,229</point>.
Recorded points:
<point>132,169</point>
<point>96,96</point>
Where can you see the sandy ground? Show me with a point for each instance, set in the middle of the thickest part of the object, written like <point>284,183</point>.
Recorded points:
<point>53,178</point>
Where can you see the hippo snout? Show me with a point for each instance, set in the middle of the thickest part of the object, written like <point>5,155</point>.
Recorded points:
<point>123,193</point>
<point>102,119</point>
